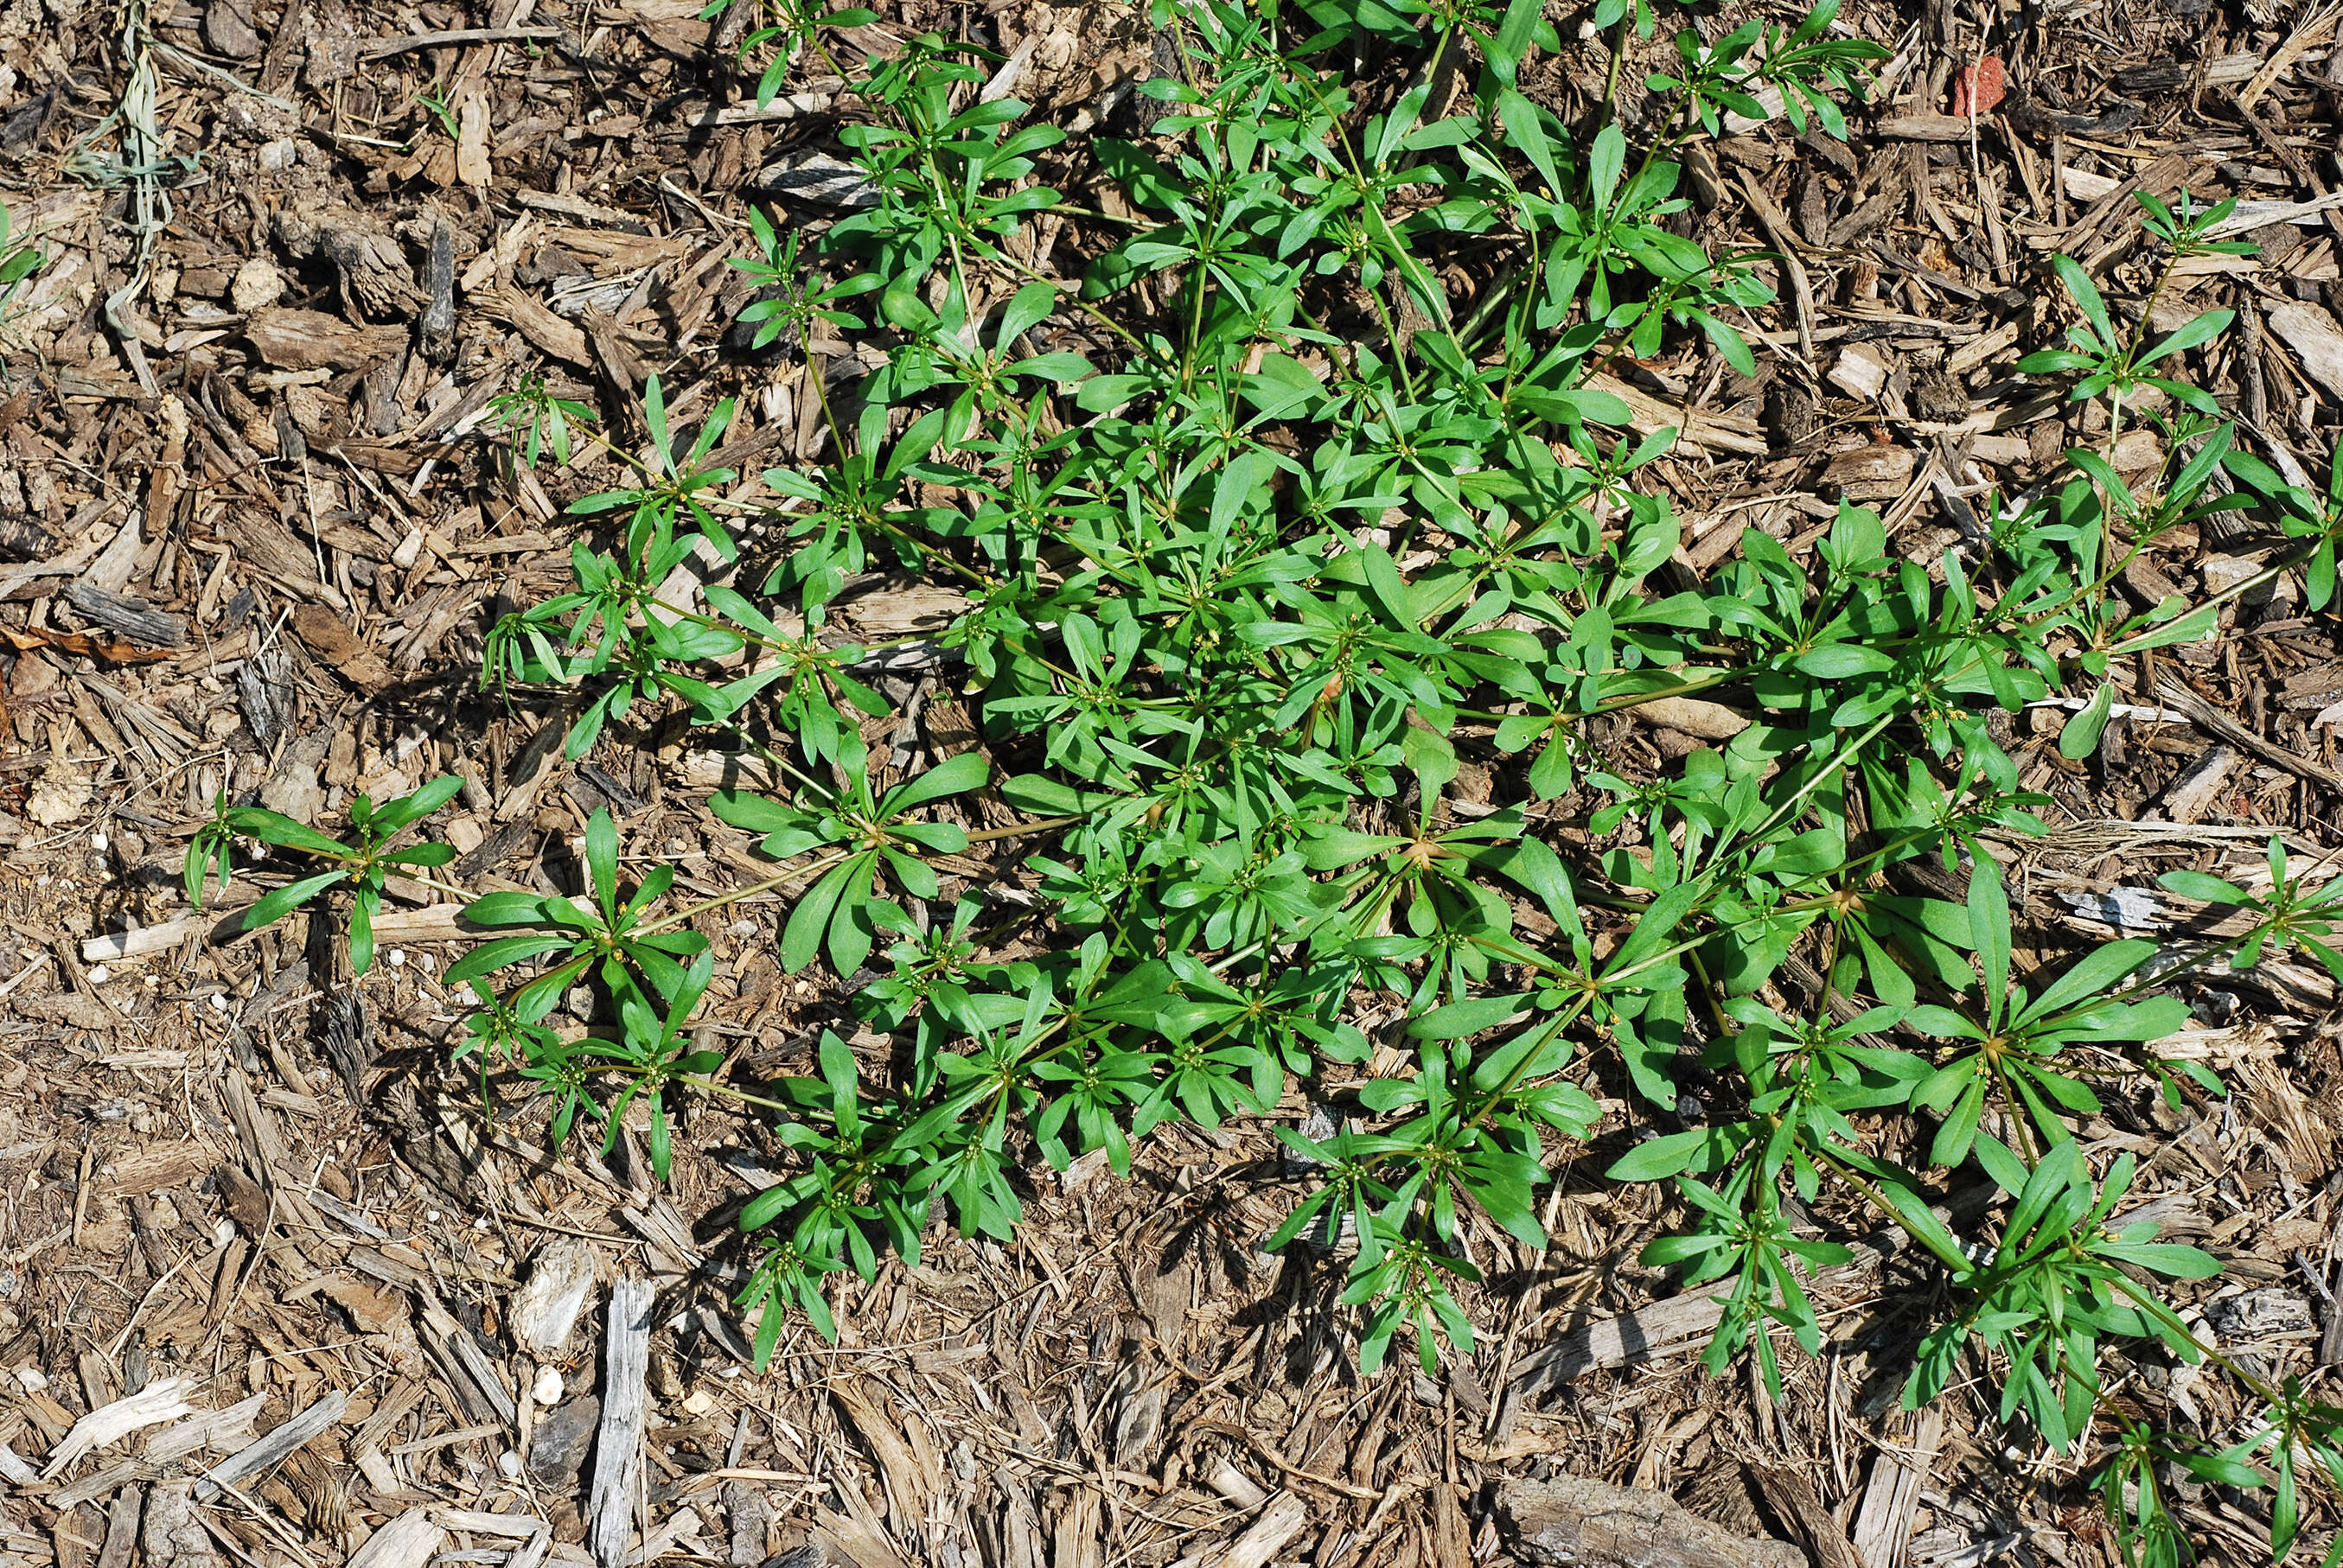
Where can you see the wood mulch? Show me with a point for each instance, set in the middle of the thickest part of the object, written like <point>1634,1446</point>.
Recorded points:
<point>276,1291</point>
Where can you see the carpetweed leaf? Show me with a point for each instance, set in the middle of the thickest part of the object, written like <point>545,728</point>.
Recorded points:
<point>274,906</point>
<point>2080,738</point>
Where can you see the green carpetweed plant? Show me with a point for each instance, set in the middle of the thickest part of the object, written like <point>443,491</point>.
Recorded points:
<point>792,308</point>
<point>2303,513</point>
<point>2295,915</point>
<point>538,421</point>
<point>17,263</point>
<point>868,836</point>
<point>1308,568</point>
<point>783,31</point>
<point>366,862</point>
<point>650,969</point>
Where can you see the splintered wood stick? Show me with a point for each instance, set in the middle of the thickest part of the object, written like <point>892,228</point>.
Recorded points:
<point>410,1541</point>
<point>109,1424</point>
<point>122,1528</point>
<point>259,1456</point>
<point>1280,1523</point>
<point>618,1444</point>
<point>1882,1525</point>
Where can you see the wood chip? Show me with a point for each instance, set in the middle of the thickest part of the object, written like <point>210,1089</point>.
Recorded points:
<point>326,636</point>
<point>129,618</point>
<point>1280,1521</point>
<point>158,1165</point>
<point>456,38</point>
<point>539,324</point>
<point>2192,794</point>
<point>1882,1526</point>
<point>410,1541</point>
<point>122,1528</point>
<point>1587,1523</point>
<point>786,107</point>
<point>2315,338</point>
<point>473,1522</point>
<point>618,1444</point>
<point>306,339</point>
<point>2314,27</point>
<point>1871,473</point>
<point>1925,127</point>
<point>301,1429</point>
<point>472,140</point>
<point>110,1423</point>
<point>437,923</point>
<point>474,1377</point>
<point>1795,1500</point>
<point>577,208</point>
<point>2207,718</point>
<point>1700,429</point>
<point>545,1309</point>
<point>1861,371</point>
<point>170,1532</point>
<point>146,940</point>
<point>1692,716</point>
<point>2253,214</point>
<point>215,1429</point>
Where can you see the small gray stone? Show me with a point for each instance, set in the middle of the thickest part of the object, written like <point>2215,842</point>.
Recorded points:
<point>557,1450</point>
<point>227,27</point>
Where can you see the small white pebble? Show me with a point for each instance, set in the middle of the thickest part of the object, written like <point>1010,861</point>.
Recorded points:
<point>44,882</point>
<point>432,1215</point>
<point>223,1232</point>
<point>508,1464</point>
<point>257,284</point>
<point>742,929</point>
<point>219,1001</point>
<point>33,1377</point>
<point>429,963</point>
<point>398,958</point>
<point>98,974</point>
<point>547,1389</point>
<point>97,841</point>
<point>729,1371</point>
<point>700,1402</point>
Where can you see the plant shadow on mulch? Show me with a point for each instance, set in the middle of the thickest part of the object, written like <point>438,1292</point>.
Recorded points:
<point>258,542</point>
